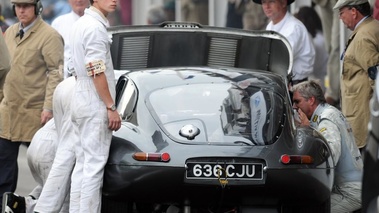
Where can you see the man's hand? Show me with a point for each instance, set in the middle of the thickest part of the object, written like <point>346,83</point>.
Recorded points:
<point>114,120</point>
<point>46,115</point>
<point>302,118</point>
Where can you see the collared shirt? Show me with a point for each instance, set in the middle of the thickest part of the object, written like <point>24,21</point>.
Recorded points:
<point>97,42</point>
<point>360,22</point>
<point>25,29</point>
<point>301,43</point>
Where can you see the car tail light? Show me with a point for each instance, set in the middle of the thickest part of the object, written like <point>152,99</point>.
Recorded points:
<point>159,157</point>
<point>296,159</point>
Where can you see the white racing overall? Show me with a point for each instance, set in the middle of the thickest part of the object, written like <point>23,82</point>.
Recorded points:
<point>40,156</point>
<point>90,44</point>
<point>346,194</point>
<point>55,193</point>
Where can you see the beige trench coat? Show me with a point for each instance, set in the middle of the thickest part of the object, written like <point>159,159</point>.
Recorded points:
<point>36,69</point>
<point>356,86</point>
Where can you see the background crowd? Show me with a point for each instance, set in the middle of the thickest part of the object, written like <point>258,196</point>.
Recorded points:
<point>240,13</point>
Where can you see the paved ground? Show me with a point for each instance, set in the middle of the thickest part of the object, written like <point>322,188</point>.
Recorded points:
<point>25,179</point>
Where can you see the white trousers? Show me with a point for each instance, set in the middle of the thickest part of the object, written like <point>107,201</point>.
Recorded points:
<point>346,197</point>
<point>55,194</point>
<point>40,156</point>
<point>90,121</point>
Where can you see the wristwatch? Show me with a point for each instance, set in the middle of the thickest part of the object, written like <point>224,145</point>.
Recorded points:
<point>112,108</point>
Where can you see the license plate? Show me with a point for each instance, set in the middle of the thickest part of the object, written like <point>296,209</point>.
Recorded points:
<point>251,171</point>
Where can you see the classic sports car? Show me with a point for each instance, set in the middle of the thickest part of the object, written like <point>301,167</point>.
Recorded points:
<point>208,125</point>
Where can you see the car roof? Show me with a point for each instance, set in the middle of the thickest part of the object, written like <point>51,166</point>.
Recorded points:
<point>189,44</point>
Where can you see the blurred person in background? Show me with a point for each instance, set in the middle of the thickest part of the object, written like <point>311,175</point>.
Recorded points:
<point>9,17</point>
<point>3,25</point>
<point>253,17</point>
<point>195,11</point>
<point>7,12</point>
<point>126,11</point>
<point>6,4</point>
<point>61,7</point>
<point>283,22</point>
<point>63,25</point>
<point>312,22</point>
<point>54,8</point>
<point>331,30</point>
<point>246,14</point>
<point>234,12</point>
<point>156,15</point>
<point>376,10</point>
<point>169,8</point>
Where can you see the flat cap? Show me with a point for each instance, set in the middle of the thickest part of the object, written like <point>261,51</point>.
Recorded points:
<point>344,3</point>
<point>24,1</point>
<point>260,1</point>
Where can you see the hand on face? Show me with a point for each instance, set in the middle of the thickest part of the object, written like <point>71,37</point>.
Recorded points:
<point>303,120</point>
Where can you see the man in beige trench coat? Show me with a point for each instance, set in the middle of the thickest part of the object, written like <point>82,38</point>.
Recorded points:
<point>361,53</point>
<point>36,55</point>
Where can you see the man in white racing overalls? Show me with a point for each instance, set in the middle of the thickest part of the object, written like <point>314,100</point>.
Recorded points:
<point>55,193</point>
<point>93,109</point>
<point>309,101</point>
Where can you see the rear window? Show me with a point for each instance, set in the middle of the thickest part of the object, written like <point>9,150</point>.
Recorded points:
<point>223,112</point>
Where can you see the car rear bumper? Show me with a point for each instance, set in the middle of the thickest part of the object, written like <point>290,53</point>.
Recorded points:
<point>169,183</point>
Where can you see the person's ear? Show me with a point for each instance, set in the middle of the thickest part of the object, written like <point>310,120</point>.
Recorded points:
<point>312,100</point>
<point>354,12</point>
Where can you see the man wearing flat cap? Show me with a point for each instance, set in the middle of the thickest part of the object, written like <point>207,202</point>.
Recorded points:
<point>36,52</point>
<point>294,30</point>
<point>360,55</point>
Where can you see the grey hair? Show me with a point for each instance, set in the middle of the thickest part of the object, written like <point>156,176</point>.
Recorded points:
<point>308,89</point>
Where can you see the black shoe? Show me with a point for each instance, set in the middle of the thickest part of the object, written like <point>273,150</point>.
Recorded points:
<point>13,203</point>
